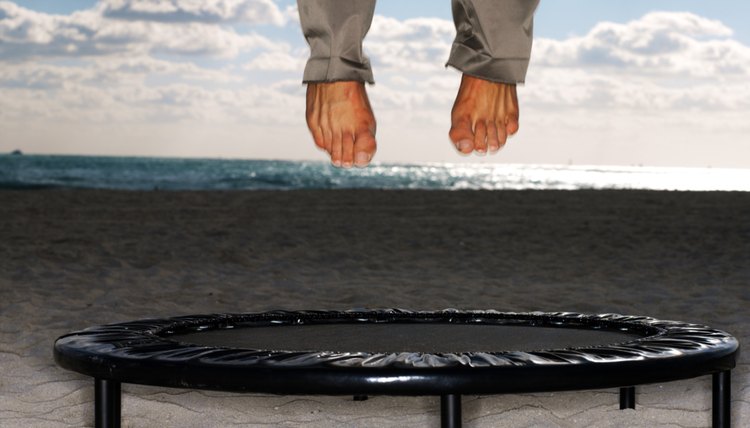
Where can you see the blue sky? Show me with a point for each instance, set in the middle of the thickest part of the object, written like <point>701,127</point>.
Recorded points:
<point>609,83</point>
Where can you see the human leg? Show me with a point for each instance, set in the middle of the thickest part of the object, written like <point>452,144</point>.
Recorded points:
<point>492,48</point>
<point>338,111</point>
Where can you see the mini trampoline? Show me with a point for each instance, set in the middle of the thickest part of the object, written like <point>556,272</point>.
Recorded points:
<point>398,352</point>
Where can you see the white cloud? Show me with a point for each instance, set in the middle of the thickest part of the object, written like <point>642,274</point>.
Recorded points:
<point>87,67</point>
<point>277,61</point>
<point>416,45</point>
<point>291,13</point>
<point>205,11</point>
<point>128,98</point>
<point>660,44</point>
<point>28,34</point>
<point>662,61</point>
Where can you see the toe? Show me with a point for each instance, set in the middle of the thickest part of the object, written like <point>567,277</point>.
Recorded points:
<point>313,124</point>
<point>462,136</point>
<point>493,144</point>
<point>327,136</point>
<point>511,126</point>
<point>347,150</point>
<point>511,108</point>
<point>502,135</point>
<point>319,138</point>
<point>336,151</point>
<point>480,137</point>
<point>364,148</point>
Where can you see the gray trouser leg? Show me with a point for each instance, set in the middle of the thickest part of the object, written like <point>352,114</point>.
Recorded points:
<point>334,29</point>
<point>493,38</point>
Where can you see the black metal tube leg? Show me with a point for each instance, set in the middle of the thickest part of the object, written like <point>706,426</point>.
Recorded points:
<point>450,411</point>
<point>107,403</point>
<point>627,398</point>
<point>722,398</point>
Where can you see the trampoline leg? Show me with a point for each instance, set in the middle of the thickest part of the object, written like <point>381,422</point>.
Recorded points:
<point>450,411</point>
<point>627,398</point>
<point>106,403</point>
<point>722,397</point>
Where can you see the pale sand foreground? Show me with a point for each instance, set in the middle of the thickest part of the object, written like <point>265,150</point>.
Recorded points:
<point>71,259</point>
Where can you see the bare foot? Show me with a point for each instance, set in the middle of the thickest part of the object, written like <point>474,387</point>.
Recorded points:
<point>484,115</point>
<point>341,121</point>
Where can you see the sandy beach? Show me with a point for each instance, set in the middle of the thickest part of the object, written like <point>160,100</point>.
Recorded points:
<point>70,259</point>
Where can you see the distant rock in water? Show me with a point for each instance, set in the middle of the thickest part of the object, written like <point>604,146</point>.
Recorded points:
<point>16,153</point>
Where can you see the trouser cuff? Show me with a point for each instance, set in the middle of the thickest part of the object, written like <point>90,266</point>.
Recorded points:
<point>473,63</point>
<point>336,69</point>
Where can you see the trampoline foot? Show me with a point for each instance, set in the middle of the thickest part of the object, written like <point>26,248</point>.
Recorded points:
<point>106,403</point>
<point>627,398</point>
<point>450,411</point>
<point>722,398</point>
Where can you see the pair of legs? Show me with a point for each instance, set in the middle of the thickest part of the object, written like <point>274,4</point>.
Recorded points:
<point>492,47</point>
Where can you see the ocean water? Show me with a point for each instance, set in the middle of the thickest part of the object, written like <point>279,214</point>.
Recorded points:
<point>133,173</point>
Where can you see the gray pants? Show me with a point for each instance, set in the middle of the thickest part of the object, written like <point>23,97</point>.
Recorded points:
<point>493,38</point>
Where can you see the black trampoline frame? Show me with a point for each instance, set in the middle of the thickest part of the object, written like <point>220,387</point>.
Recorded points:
<point>141,352</point>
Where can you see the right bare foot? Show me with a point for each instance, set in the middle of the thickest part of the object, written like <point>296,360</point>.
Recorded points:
<point>484,115</point>
<point>341,122</point>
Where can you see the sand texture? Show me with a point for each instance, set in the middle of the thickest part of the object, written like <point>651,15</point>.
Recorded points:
<point>70,259</point>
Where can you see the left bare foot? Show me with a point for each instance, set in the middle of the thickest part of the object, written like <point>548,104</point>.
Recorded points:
<point>342,122</point>
<point>484,115</point>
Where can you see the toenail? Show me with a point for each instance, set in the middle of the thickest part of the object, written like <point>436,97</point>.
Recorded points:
<point>464,145</point>
<point>336,163</point>
<point>362,158</point>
